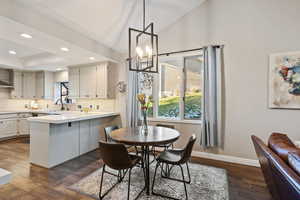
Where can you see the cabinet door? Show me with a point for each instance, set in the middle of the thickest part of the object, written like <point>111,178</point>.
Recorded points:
<point>24,127</point>
<point>29,85</point>
<point>48,85</point>
<point>102,80</point>
<point>88,82</point>
<point>40,85</point>
<point>74,81</point>
<point>94,134</point>
<point>84,137</point>
<point>17,92</point>
<point>8,127</point>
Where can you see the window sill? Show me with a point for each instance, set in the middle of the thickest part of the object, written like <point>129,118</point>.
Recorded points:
<point>175,121</point>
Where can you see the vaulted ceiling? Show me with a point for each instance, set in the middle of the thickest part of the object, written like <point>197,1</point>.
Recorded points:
<point>88,28</point>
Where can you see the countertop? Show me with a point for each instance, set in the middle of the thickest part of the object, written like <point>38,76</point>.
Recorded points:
<point>69,116</point>
<point>59,117</point>
<point>4,112</point>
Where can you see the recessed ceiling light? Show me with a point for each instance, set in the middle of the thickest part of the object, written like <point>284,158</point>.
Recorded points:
<point>92,58</point>
<point>25,35</point>
<point>58,69</point>
<point>64,49</point>
<point>12,52</point>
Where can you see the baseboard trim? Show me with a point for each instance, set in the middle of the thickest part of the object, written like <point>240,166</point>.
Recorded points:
<point>226,158</point>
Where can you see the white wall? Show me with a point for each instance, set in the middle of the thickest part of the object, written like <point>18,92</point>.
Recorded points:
<point>250,30</point>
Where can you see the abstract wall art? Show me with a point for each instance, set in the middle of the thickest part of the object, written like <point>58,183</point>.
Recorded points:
<point>284,80</point>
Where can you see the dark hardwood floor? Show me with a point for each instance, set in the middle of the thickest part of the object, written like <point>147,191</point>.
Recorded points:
<point>32,182</point>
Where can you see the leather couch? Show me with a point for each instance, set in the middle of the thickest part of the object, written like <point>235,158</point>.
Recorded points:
<point>280,164</point>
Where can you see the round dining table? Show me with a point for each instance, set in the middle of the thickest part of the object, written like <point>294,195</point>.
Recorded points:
<point>145,137</point>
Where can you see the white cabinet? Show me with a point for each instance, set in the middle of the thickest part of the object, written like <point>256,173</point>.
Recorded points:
<point>40,85</point>
<point>106,80</point>
<point>102,80</point>
<point>74,82</point>
<point>44,85</point>
<point>89,135</point>
<point>17,92</point>
<point>84,137</point>
<point>94,134</point>
<point>8,127</point>
<point>23,127</point>
<point>88,81</point>
<point>29,85</point>
<point>93,81</point>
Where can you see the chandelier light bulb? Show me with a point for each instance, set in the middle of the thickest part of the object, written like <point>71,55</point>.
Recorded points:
<point>148,51</point>
<point>139,52</point>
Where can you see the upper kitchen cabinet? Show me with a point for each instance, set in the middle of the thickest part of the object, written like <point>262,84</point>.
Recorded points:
<point>17,92</point>
<point>33,85</point>
<point>74,82</point>
<point>93,81</point>
<point>29,85</point>
<point>44,85</point>
<point>106,80</point>
<point>88,81</point>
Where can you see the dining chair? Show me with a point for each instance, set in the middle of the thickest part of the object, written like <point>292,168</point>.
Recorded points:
<point>175,157</point>
<point>108,130</point>
<point>116,157</point>
<point>165,146</point>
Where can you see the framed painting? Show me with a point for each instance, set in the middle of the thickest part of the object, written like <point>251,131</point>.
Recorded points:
<point>284,80</point>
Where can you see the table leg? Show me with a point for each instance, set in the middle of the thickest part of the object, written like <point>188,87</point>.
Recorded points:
<point>147,165</point>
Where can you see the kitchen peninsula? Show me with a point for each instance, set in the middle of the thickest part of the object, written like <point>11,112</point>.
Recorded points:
<point>55,139</point>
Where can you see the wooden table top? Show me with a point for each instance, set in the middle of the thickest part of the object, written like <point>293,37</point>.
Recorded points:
<point>137,135</point>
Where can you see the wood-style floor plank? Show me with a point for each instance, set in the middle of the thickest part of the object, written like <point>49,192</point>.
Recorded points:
<point>32,182</point>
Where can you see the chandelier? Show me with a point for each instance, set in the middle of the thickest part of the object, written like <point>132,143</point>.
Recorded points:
<point>143,48</point>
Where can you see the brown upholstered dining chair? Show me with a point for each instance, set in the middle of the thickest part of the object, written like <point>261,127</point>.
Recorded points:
<point>108,130</point>
<point>175,157</point>
<point>116,157</point>
<point>165,146</point>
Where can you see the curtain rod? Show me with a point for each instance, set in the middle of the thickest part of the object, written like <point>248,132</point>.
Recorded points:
<point>189,50</point>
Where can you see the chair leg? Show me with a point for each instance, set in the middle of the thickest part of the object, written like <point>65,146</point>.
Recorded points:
<point>128,194</point>
<point>101,182</point>
<point>188,171</point>
<point>153,182</point>
<point>184,183</point>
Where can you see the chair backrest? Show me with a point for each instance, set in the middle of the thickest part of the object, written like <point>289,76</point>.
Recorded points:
<point>114,155</point>
<point>108,130</point>
<point>166,126</point>
<point>283,183</point>
<point>188,149</point>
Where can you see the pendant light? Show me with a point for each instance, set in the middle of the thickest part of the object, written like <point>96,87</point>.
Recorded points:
<point>143,48</point>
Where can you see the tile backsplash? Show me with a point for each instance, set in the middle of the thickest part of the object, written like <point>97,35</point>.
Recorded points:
<point>101,105</point>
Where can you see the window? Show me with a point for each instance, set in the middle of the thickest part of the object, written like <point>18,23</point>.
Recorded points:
<point>177,88</point>
<point>193,87</point>
<point>169,91</point>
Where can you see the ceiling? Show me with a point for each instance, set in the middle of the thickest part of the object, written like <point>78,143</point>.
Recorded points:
<point>93,28</point>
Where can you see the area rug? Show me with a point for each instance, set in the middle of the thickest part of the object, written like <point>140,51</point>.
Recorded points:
<point>208,183</point>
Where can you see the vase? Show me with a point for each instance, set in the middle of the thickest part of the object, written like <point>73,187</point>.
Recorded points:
<point>145,123</point>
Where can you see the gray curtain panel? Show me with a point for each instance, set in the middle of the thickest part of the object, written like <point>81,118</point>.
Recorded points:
<point>132,102</point>
<point>210,136</point>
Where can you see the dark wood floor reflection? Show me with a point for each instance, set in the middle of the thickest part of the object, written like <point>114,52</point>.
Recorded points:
<point>32,182</point>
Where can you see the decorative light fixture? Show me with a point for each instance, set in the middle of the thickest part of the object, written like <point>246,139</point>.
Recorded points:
<point>143,48</point>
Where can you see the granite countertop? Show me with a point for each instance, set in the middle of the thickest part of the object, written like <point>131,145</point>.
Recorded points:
<point>59,117</point>
<point>69,116</point>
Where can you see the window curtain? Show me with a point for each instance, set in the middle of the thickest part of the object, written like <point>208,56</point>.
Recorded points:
<point>212,97</point>
<point>132,103</point>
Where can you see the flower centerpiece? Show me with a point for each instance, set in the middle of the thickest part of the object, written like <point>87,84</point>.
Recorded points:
<point>145,102</point>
